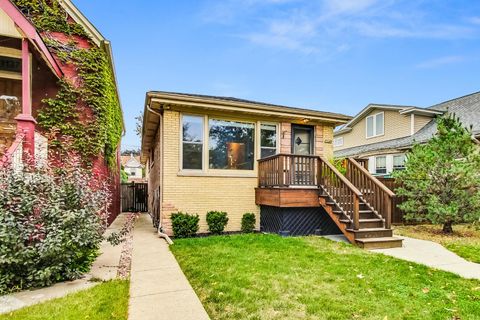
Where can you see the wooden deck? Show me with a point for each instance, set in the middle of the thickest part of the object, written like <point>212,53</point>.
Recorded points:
<point>359,204</point>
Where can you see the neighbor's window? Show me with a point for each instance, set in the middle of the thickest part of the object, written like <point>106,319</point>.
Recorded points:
<point>399,162</point>
<point>268,140</point>
<point>380,165</point>
<point>375,125</point>
<point>231,145</point>
<point>338,142</point>
<point>192,138</point>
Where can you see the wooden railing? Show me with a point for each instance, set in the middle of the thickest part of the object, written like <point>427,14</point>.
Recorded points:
<point>285,170</point>
<point>375,193</point>
<point>342,191</point>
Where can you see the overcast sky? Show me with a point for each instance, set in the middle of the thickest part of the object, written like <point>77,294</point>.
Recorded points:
<point>320,54</point>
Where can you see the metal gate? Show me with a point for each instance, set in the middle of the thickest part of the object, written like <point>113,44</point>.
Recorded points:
<point>134,197</point>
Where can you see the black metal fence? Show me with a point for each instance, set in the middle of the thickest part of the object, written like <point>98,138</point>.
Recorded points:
<point>134,197</point>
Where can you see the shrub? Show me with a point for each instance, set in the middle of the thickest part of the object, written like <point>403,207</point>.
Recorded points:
<point>52,221</point>
<point>216,220</point>
<point>184,225</point>
<point>248,222</point>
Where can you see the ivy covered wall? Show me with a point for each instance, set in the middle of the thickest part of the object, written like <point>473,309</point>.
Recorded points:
<point>86,109</point>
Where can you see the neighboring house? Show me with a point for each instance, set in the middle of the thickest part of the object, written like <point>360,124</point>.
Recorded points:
<point>33,69</point>
<point>381,134</point>
<point>206,153</point>
<point>132,166</point>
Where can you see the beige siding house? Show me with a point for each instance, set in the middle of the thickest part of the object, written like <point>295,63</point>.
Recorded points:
<point>201,152</point>
<point>381,134</point>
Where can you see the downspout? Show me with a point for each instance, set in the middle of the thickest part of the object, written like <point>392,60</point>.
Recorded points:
<point>159,230</point>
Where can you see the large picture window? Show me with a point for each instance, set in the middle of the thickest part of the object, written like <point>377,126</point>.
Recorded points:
<point>268,140</point>
<point>375,125</point>
<point>192,142</point>
<point>231,145</point>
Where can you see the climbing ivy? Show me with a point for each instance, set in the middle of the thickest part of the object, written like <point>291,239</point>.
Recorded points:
<point>48,15</point>
<point>88,110</point>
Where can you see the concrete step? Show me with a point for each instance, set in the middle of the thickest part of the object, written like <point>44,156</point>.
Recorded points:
<point>379,243</point>
<point>371,233</point>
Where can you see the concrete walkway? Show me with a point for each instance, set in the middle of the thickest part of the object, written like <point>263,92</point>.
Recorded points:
<point>433,255</point>
<point>158,288</point>
<point>104,268</point>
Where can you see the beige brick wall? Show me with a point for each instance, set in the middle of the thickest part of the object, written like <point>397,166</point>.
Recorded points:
<point>326,146</point>
<point>286,137</point>
<point>396,126</point>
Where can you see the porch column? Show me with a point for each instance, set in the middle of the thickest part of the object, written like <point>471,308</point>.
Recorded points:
<point>25,121</point>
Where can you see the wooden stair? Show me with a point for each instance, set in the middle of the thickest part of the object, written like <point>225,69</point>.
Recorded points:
<point>359,204</point>
<point>372,233</point>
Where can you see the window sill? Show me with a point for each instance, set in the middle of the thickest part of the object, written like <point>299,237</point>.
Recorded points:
<point>184,173</point>
<point>378,135</point>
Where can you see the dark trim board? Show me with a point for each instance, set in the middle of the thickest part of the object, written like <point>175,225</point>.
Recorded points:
<point>297,221</point>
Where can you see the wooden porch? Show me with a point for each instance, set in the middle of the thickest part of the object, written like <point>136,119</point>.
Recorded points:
<point>357,202</point>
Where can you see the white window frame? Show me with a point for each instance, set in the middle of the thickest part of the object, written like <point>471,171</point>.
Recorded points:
<point>374,117</point>
<point>204,143</point>
<point>207,143</point>
<point>258,137</point>
<point>376,159</point>
<point>338,142</point>
<point>206,171</point>
<point>393,161</point>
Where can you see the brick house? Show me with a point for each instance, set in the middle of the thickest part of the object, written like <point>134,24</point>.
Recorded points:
<point>206,153</point>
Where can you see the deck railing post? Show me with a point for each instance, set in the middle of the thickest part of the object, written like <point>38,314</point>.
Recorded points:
<point>281,171</point>
<point>356,213</point>
<point>388,210</point>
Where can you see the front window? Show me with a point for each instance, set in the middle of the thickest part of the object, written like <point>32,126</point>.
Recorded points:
<point>380,165</point>
<point>375,125</point>
<point>399,162</point>
<point>192,142</point>
<point>231,145</point>
<point>268,140</point>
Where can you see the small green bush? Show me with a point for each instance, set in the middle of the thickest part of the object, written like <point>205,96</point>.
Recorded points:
<point>248,222</point>
<point>184,225</point>
<point>216,220</point>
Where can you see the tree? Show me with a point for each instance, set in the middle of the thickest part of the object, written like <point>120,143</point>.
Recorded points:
<point>139,124</point>
<point>441,179</point>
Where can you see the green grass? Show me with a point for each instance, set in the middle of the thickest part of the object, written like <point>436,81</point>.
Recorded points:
<point>269,277</point>
<point>465,240</point>
<point>108,300</point>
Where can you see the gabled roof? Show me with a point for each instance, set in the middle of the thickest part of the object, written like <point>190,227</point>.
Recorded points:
<point>28,30</point>
<point>402,109</point>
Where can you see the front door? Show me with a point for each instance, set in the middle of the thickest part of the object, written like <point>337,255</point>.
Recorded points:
<point>302,140</point>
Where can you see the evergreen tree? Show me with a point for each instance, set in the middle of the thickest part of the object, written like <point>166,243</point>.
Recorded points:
<point>441,179</point>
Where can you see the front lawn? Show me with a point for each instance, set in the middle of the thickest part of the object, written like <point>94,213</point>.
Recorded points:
<point>465,240</point>
<point>269,277</point>
<point>105,301</point>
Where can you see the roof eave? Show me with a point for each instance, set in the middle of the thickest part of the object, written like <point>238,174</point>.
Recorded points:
<point>165,98</point>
